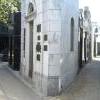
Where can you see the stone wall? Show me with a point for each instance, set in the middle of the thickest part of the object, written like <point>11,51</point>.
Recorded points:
<point>58,65</point>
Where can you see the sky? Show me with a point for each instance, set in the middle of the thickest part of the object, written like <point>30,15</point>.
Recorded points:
<point>94,6</point>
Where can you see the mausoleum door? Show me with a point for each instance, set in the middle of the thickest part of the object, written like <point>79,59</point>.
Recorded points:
<point>31,49</point>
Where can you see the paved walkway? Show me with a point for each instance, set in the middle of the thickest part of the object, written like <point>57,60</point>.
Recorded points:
<point>12,88</point>
<point>87,86</point>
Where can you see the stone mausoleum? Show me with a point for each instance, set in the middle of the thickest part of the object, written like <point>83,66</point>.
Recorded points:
<point>85,30</point>
<point>95,39</point>
<point>49,44</point>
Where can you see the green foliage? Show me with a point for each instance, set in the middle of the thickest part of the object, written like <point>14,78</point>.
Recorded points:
<point>7,7</point>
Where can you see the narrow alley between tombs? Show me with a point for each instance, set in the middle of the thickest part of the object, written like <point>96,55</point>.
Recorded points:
<point>86,86</point>
<point>11,88</point>
<point>49,50</point>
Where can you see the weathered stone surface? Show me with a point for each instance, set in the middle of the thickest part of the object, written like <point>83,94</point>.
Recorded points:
<point>58,65</point>
<point>53,86</point>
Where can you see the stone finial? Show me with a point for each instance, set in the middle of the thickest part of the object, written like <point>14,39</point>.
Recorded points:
<point>87,14</point>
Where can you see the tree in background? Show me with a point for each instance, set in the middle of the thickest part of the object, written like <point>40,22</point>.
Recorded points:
<point>8,7</point>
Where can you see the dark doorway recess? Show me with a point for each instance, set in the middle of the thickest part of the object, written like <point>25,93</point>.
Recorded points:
<point>31,49</point>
